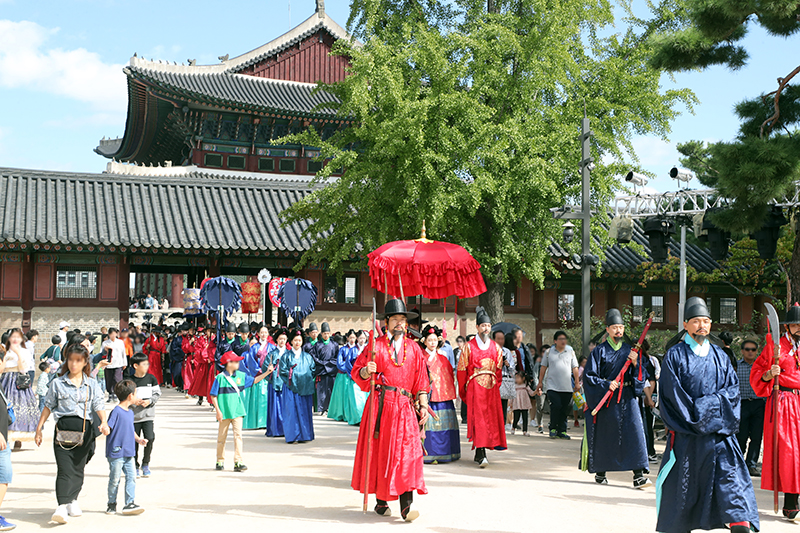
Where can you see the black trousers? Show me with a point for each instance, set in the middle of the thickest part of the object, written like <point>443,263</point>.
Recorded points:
<point>71,463</point>
<point>560,406</point>
<point>145,429</point>
<point>504,403</point>
<point>521,413</point>
<point>751,427</point>
<point>113,376</point>
<point>463,412</point>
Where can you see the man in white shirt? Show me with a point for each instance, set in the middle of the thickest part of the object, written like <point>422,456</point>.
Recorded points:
<point>117,360</point>
<point>561,366</point>
<point>63,326</point>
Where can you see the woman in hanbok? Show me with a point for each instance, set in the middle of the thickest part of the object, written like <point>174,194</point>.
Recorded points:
<point>442,443</point>
<point>296,368</point>
<point>18,389</point>
<point>257,399</point>
<point>348,400</point>
<point>275,384</point>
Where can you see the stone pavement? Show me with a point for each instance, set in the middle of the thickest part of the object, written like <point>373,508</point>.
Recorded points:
<point>533,486</point>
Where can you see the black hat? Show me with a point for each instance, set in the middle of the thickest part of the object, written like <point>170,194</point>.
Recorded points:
<point>430,329</point>
<point>230,327</point>
<point>244,328</point>
<point>326,328</point>
<point>793,314</point>
<point>396,307</point>
<point>613,317</point>
<point>694,308</point>
<point>482,317</point>
<point>313,327</point>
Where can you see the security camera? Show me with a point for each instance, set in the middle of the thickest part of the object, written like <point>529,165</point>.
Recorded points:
<point>680,174</point>
<point>634,178</point>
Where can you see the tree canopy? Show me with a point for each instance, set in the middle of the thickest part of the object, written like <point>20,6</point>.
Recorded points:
<point>466,114</point>
<point>762,161</point>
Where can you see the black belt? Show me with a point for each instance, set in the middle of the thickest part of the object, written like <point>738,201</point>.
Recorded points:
<point>627,384</point>
<point>787,389</point>
<point>754,399</point>
<point>382,390</point>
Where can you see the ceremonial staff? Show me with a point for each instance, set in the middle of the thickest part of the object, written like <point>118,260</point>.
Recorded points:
<point>774,324</point>
<point>621,376</point>
<point>372,337</point>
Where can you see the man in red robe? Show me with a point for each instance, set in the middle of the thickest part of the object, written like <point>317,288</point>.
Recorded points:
<point>480,367</point>
<point>203,350</point>
<point>401,381</point>
<point>154,348</point>
<point>761,376</point>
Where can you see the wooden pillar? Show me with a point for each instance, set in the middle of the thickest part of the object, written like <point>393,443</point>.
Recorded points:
<point>124,287</point>
<point>26,302</point>
<point>176,298</point>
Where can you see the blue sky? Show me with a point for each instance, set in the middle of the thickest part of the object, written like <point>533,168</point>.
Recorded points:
<point>62,87</point>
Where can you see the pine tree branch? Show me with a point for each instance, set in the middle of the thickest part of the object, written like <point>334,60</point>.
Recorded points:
<point>782,82</point>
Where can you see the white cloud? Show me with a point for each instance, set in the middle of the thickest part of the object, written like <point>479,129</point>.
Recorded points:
<point>26,61</point>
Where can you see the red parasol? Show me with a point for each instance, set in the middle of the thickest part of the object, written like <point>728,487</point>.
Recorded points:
<point>433,269</point>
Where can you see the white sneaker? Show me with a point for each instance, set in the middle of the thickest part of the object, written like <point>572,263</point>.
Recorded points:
<point>73,509</point>
<point>513,431</point>
<point>484,463</point>
<point>60,516</point>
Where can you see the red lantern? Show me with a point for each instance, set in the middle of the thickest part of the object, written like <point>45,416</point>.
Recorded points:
<point>275,285</point>
<point>251,297</point>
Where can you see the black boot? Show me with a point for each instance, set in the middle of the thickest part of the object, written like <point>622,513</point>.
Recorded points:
<point>382,508</point>
<point>740,529</point>
<point>406,499</point>
<point>790,510</point>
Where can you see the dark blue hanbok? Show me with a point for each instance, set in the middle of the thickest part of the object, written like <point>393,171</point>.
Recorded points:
<point>615,437</point>
<point>703,482</point>
<point>297,373</point>
<point>274,394</point>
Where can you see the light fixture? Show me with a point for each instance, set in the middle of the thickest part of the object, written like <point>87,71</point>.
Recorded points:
<point>569,231</point>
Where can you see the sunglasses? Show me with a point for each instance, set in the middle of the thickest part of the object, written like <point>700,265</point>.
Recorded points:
<point>749,349</point>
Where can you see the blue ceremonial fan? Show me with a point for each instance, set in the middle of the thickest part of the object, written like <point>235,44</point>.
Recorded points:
<point>298,298</point>
<point>221,292</point>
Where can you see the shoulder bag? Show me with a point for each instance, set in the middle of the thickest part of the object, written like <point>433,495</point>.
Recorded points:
<point>69,440</point>
<point>23,381</point>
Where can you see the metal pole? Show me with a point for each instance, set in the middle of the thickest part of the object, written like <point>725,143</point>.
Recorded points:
<point>682,283</point>
<point>586,212</point>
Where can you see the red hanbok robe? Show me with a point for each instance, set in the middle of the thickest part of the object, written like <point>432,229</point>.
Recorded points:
<point>396,463</point>
<point>187,369</point>
<point>788,416</point>
<point>204,374</point>
<point>443,383</point>
<point>154,348</point>
<point>479,378</point>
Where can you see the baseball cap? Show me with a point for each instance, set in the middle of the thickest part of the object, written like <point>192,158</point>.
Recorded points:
<point>229,357</point>
<point>63,324</point>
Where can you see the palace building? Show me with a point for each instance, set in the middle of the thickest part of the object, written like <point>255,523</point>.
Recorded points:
<point>195,187</point>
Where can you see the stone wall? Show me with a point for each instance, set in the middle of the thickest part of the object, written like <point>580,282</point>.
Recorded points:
<point>46,319</point>
<point>10,317</point>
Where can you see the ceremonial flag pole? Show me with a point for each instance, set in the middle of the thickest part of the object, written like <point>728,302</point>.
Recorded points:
<point>372,338</point>
<point>621,375</point>
<point>773,324</point>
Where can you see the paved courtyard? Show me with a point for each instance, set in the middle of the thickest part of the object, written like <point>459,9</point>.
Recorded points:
<point>533,486</point>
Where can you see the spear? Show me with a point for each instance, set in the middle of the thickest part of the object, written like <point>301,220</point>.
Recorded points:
<point>627,364</point>
<point>372,338</point>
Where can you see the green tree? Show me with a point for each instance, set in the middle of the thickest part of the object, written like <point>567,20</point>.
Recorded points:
<point>763,162</point>
<point>466,114</point>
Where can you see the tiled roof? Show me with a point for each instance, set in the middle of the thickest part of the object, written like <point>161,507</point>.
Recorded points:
<point>624,260</point>
<point>237,90</point>
<point>184,212</point>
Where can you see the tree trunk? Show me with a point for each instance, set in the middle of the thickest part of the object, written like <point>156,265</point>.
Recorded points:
<point>793,290</point>
<point>492,299</point>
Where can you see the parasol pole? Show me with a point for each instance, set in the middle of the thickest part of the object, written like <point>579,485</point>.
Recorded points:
<point>370,399</point>
<point>400,278</point>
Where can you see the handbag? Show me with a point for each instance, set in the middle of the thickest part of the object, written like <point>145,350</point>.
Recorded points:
<point>68,439</point>
<point>23,381</point>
